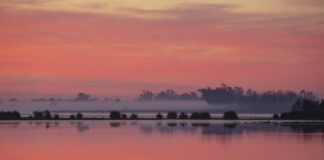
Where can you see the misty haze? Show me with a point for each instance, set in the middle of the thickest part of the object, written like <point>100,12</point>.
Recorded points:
<point>161,79</point>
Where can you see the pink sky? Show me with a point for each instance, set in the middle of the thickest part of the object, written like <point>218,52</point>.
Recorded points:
<point>118,48</point>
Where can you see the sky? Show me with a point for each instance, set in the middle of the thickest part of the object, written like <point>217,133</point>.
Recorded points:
<point>117,48</point>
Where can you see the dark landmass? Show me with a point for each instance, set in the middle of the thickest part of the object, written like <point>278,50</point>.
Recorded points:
<point>306,109</point>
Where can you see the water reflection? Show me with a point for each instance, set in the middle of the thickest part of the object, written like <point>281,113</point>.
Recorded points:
<point>115,124</point>
<point>81,127</point>
<point>208,140</point>
<point>304,128</point>
<point>204,128</point>
<point>9,124</point>
<point>230,125</point>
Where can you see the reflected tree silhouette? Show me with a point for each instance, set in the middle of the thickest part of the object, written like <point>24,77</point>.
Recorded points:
<point>115,124</point>
<point>230,125</point>
<point>172,124</point>
<point>81,127</point>
<point>200,124</point>
<point>182,124</point>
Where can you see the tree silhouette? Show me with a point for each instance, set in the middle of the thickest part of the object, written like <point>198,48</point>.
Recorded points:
<point>168,94</point>
<point>72,116</point>
<point>205,115</point>
<point>14,100</point>
<point>117,100</point>
<point>47,114</point>
<point>146,96</point>
<point>79,115</point>
<point>183,116</point>
<point>188,96</point>
<point>56,116</point>
<point>124,116</point>
<point>275,116</point>
<point>114,115</point>
<point>172,115</point>
<point>305,109</point>
<point>200,115</point>
<point>38,115</point>
<point>82,97</point>
<point>133,116</point>
<point>159,116</point>
<point>227,94</point>
<point>230,115</point>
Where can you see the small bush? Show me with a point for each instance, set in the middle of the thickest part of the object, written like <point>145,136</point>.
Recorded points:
<point>172,115</point>
<point>230,115</point>
<point>183,116</point>
<point>275,116</point>
<point>47,114</point>
<point>200,115</point>
<point>79,116</point>
<point>205,115</point>
<point>133,116</point>
<point>38,115</point>
<point>56,116</point>
<point>159,116</point>
<point>72,116</point>
<point>124,116</point>
<point>114,115</point>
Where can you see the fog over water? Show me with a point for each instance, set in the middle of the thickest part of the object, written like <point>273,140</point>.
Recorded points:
<point>214,100</point>
<point>27,107</point>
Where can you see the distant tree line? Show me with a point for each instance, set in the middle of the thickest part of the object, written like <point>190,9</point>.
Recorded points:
<point>222,94</point>
<point>168,94</point>
<point>80,97</point>
<point>226,94</point>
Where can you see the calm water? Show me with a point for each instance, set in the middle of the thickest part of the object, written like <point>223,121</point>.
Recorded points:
<point>172,140</point>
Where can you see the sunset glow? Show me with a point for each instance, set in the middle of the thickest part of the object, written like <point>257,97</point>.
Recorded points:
<point>119,47</point>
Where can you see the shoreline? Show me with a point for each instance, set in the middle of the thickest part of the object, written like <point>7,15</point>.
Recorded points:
<point>187,120</point>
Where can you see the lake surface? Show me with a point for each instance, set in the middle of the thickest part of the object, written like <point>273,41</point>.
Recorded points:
<point>160,140</point>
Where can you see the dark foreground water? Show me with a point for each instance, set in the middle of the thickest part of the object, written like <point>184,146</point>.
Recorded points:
<point>160,140</point>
